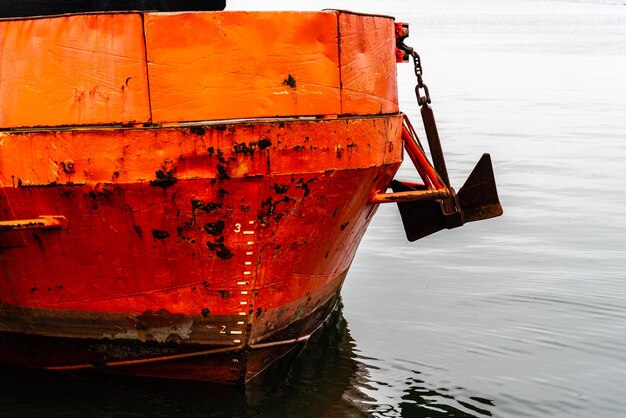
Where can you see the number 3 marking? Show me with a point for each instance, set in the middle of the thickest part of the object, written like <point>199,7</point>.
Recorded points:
<point>237,228</point>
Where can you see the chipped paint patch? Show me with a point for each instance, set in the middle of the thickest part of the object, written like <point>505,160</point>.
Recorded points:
<point>160,326</point>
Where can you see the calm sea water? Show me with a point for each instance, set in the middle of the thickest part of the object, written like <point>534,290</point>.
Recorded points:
<point>521,316</point>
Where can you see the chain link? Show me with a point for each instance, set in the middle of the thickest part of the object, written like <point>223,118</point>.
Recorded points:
<point>425,98</point>
<point>417,61</point>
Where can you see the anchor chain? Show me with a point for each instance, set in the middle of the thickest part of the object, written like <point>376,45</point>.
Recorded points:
<point>419,71</point>
<point>450,205</point>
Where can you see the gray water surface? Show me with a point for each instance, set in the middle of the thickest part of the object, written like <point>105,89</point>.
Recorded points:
<point>527,310</point>
<point>520,316</point>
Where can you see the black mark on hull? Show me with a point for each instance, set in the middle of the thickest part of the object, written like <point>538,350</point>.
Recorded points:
<point>158,234</point>
<point>264,143</point>
<point>197,130</point>
<point>281,188</point>
<point>164,179</point>
<point>219,248</point>
<point>209,207</point>
<point>290,81</point>
<point>214,228</point>
<point>138,231</point>
<point>222,173</point>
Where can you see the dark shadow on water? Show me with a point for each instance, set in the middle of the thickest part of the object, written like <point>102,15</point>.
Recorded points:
<point>327,379</point>
<point>420,401</point>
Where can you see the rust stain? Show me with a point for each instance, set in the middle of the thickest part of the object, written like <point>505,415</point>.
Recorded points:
<point>197,204</point>
<point>160,235</point>
<point>290,81</point>
<point>214,228</point>
<point>160,326</point>
<point>67,166</point>
<point>164,179</point>
<point>219,248</point>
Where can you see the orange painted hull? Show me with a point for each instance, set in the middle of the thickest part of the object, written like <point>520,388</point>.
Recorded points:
<point>255,235</point>
<point>182,194</point>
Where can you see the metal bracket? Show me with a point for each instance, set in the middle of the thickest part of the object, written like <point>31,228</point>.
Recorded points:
<point>42,222</point>
<point>402,32</point>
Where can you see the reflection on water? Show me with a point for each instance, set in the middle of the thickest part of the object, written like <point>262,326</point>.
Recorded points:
<point>327,379</point>
<point>422,402</point>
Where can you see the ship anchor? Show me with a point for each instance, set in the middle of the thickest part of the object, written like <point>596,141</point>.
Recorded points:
<point>433,205</point>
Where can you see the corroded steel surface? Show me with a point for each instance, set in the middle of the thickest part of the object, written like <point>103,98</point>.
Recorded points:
<point>209,236</point>
<point>182,216</point>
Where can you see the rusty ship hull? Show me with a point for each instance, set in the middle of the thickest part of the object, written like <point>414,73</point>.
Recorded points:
<point>182,194</point>
<point>163,217</point>
<point>213,255</point>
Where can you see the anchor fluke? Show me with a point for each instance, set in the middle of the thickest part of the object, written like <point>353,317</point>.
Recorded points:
<point>419,218</point>
<point>477,200</point>
<point>478,197</point>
